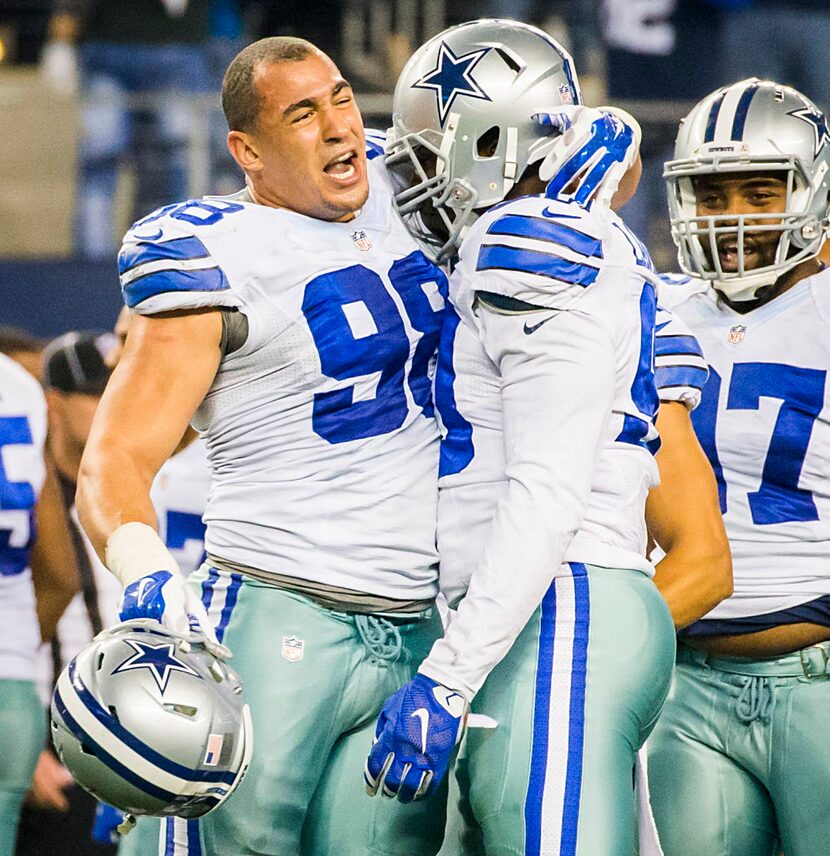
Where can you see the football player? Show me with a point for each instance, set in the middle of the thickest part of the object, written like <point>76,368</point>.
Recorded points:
<point>29,501</point>
<point>737,761</point>
<point>546,392</point>
<point>295,324</point>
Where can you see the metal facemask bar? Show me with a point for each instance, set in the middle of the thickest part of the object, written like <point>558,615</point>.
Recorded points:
<point>692,233</point>
<point>453,201</point>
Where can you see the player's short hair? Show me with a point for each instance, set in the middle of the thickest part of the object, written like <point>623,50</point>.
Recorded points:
<point>241,102</point>
<point>15,340</point>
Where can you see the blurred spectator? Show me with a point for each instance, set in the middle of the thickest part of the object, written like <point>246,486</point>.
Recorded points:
<point>22,347</point>
<point>59,816</point>
<point>657,51</point>
<point>785,42</point>
<point>129,50</point>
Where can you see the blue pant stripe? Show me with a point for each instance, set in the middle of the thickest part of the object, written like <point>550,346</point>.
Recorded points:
<point>576,719</point>
<point>194,843</point>
<point>170,837</point>
<point>230,603</point>
<point>541,714</point>
<point>208,589</point>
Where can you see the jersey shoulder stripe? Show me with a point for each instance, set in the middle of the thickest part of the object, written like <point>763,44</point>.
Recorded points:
<point>680,376</point>
<point>177,249</point>
<point>375,143</point>
<point>148,269</point>
<point>549,231</point>
<point>681,370</point>
<point>167,281</point>
<point>550,265</point>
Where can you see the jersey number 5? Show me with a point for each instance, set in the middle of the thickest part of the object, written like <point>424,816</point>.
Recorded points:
<point>17,500</point>
<point>779,499</point>
<point>360,336</point>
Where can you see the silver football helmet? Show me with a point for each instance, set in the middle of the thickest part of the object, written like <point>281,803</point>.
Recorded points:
<point>462,133</point>
<point>151,722</point>
<point>754,126</point>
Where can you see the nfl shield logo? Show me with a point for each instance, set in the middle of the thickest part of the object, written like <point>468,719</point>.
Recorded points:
<point>361,241</point>
<point>292,648</point>
<point>736,334</point>
<point>565,94</point>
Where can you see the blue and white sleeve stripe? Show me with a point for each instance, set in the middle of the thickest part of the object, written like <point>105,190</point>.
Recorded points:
<point>375,143</point>
<point>148,270</point>
<point>543,247</point>
<point>681,370</point>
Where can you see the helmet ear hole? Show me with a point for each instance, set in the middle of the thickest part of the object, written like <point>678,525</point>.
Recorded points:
<point>488,142</point>
<point>100,662</point>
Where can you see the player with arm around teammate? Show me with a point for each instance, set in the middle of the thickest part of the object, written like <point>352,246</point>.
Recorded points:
<point>545,388</point>
<point>737,762</point>
<point>295,324</point>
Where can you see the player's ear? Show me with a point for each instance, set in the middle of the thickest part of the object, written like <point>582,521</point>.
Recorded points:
<point>244,151</point>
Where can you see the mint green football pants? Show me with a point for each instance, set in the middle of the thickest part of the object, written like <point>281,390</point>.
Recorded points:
<point>315,681</point>
<point>22,736</point>
<point>739,763</point>
<point>573,701</point>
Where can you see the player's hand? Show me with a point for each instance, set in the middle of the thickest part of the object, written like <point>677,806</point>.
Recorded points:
<point>416,733</point>
<point>165,597</point>
<point>50,780</point>
<point>598,148</point>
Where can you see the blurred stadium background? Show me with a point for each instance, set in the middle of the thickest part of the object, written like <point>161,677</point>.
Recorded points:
<point>70,119</point>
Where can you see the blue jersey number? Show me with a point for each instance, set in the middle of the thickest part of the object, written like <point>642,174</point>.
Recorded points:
<point>779,499</point>
<point>359,334</point>
<point>14,496</point>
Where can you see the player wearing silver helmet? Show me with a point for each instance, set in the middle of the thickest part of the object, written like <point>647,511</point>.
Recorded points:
<point>737,761</point>
<point>546,393</point>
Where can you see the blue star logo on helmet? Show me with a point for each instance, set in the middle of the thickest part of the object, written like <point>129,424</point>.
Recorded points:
<point>451,77</point>
<point>158,659</point>
<point>819,123</point>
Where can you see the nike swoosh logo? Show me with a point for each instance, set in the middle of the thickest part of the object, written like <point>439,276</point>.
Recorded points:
<point>423,716</point>
<point>532,328</point>
<point>559,216</point>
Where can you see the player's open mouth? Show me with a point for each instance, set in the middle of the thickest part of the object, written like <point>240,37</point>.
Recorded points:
<point>344,168</point>
<point>728,253</point>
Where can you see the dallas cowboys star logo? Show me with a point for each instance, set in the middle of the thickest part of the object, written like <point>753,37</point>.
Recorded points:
<point>451,77</point>
<point>158,659</point>
<point>819,125</point>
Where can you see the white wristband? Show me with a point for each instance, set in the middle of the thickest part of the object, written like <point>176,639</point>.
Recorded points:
<point>135,550</point>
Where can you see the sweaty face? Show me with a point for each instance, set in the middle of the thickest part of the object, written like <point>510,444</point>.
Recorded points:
<point>309,139</point>
<point>745,194</point>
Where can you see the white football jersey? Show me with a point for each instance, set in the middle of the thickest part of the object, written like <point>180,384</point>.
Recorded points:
<point>22,471</point>
<point>179,494</point>
<point>764,423</point>
<point>320,433</point>
<point>529,481</point>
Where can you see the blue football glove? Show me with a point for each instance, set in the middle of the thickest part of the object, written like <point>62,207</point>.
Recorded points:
<point>417,730</point>
<point>597,149</point>
<point>107,820</point>
<point>166,598</point>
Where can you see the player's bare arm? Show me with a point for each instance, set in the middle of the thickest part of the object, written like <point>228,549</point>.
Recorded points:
<point>54,571</point>
<point>143,415</point>
<point>684,519</point>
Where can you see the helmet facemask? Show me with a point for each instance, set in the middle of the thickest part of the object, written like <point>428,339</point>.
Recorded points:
<point>697,236</point>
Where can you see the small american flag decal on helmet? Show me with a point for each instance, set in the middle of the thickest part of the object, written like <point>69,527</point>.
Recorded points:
<point>214,749</point>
